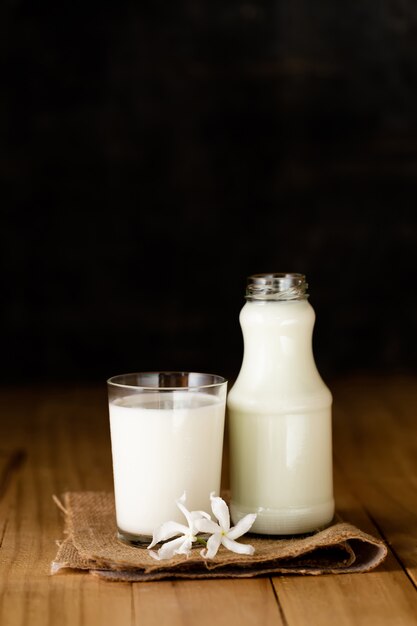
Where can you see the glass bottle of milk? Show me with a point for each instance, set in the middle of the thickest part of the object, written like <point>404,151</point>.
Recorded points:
<point>280,414</point>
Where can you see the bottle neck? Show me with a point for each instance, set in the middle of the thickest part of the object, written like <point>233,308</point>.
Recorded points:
<point>277,343</point>
<point>281,328</point>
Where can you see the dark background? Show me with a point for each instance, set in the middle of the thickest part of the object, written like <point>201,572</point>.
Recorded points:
<point>152,155</point>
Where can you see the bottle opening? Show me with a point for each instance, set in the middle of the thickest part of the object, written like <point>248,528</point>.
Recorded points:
<point>289,286</point>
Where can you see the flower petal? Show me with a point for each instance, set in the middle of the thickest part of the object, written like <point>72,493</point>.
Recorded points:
<point>166,531</point>
<point>242,526</point>
<point>221,511</point>
<point>234,546</point>
<point>167,550</point>
<point>185,547</point>
<point>184,511</point>
<point>207,526</point>
<point>199,514</point>
<point>213,545</point>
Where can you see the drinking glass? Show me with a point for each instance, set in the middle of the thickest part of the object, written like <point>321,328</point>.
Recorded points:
<point>167,438</point>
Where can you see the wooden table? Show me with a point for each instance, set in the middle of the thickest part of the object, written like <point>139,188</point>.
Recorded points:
<point>63,439</point>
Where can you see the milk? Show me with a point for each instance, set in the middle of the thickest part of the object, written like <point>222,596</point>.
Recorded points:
<point>162,445</point>
<point>280,423</point>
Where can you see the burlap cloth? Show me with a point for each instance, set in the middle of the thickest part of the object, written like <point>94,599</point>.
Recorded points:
<point>91,544</point>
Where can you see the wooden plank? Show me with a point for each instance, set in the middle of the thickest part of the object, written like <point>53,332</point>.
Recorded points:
<point>59,457</point>
<point>220,602</point>
<point>346,600</point>
<point>376,448</point>
<point>393,505</point>
<point>375,420</point>
<point>380,598</point>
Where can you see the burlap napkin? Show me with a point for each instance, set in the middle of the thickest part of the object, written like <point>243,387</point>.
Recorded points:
<point>91,544</point>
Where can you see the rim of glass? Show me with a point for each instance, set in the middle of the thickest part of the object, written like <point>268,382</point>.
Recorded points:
<point>113,380</point>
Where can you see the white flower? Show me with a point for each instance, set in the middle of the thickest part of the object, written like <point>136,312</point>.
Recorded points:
<point>182,544</point>
<point>221,533</point>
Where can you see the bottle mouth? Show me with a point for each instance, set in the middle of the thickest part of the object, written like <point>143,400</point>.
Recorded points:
<point>289,286</point>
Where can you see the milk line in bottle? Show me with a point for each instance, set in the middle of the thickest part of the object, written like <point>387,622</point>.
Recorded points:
<point>280,414</point>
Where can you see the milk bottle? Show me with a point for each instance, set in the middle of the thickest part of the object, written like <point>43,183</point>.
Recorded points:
<point>280,414</point>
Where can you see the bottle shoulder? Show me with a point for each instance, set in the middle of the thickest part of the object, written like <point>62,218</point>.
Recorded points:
<point>278,398</point>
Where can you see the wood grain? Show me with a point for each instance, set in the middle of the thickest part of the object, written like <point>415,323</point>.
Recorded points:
<point>383,597</point>
<point>65,439</point>
<point>375,437</point>
<point>221,602</point>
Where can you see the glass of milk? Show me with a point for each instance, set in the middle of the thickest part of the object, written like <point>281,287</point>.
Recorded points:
<point>167,438</point>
